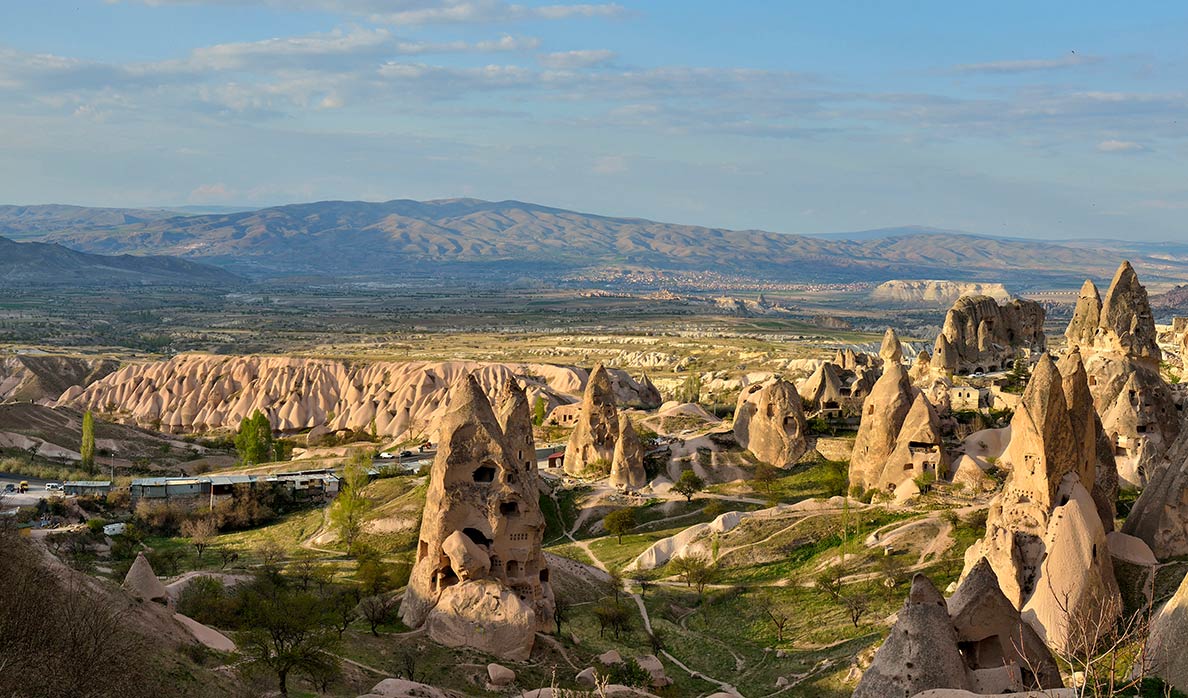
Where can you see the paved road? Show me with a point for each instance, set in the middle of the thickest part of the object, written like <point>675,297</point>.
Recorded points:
<point>36,490</point>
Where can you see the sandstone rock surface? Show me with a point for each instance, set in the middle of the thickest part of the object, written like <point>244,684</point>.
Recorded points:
<point>142,583</point>
<point>592,442</point>
<point>986,336</point>
<point>883,415</point>
<point>480,579</point>
<point>1045,539</point>
<point>194,393</point>
<point>921,651</point>
<point>769,422</point>
<point>627,469</point>
<point>1166,648</point>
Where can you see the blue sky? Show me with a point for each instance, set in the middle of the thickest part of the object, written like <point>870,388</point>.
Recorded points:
<point>1057,120</point>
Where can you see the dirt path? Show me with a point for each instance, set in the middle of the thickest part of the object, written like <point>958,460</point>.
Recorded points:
<point>643,612</point>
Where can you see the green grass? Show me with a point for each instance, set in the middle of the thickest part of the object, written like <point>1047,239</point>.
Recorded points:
<point>614,554</point>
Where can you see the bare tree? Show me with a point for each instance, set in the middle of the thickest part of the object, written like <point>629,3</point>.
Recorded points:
<point>201,531</point>
<point>857,603</point>
<point>779,616</point>
<point>377,610</point>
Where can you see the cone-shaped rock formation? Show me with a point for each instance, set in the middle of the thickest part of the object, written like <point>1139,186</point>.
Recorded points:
<point>769,421</point>
<point>480,579</point>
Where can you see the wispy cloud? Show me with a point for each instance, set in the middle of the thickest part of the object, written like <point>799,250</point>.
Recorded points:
<point>414,12</point>
<point>1116,146</point>
<point>1029,65</point>
<point>568,60</point>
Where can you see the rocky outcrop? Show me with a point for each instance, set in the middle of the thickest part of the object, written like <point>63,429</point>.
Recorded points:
<point>649,394</point>
<point>883,415</point>
<point>1045,539</point>
<point>986,336</point>
<point>1127,325</point>
<point>1160,516</point>
<point>918,449</point>
<point>1117,338</point>
<point>992,634</point>
<point>480,579</point>
<point>627,469</point>
<point>1167,652</point>
<point>196,393</point>
<point>920,653</point>
<point>944,356</point>
<point>933,293</point>
<point>1095,457</point>
<point>592,441</point>
<point>1086,317</point>
<point>142,583</point>
<point>891,350</point>
<point>824,390</point>
<point>769,422</point>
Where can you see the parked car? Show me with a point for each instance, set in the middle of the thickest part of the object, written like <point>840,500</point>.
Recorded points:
<point>386,456</point>
<point>406,454</point>
<point>10,487</point>
<point>24,486</point>
<point>53,487</point>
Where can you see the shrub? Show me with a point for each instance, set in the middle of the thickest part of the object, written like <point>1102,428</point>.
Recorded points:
<point>628,673</point>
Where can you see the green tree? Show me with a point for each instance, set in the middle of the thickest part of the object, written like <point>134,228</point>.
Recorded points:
<point>690,390</point>
<point>688,484</point>
<point>764,477</point>
<point>619,522</point>
<point>351,506</point>
<point>287,631</point>
<point>695,571</point>
<point>87,448</point>
<point>538,410</point>
<point>253,441</point>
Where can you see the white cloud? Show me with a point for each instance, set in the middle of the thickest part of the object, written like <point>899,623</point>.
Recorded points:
<point>1072,60</point>
<point>569,60</point>
<point>410,12</point>
<point>1115,146</point>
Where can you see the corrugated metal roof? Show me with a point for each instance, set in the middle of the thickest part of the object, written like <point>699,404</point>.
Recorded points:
<point>231,479</point>
<point>87,483</point>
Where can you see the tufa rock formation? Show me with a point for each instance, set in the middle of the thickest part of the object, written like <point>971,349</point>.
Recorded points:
<point>1160,516</point>
<point>592,442</point>
<point>627,469</point>
<point>892,349</point>
<point>986,336</point>
<point>824,391</point>
<point>142,583</point>
<point>1117,338</point>
<point>194,393</point>
<point>944,356</point>
<point>918,449</point>
<point>480,579</point>
<point>914,292</point>
<point>921,651</point>
<point>1086,317</point>
<point>976,642</point>
<point>1167,653</point>
<point>1045,539</point>
<point>883,415</point>
<point>992,635</point>
<point>769,422</point>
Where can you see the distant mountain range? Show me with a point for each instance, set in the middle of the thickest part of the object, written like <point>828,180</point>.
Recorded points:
<point>49,264</point>
<point>460,237</point>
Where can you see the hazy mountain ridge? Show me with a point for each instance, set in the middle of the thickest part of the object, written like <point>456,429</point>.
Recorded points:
<point>40,263</point>
<point>369,239</point>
